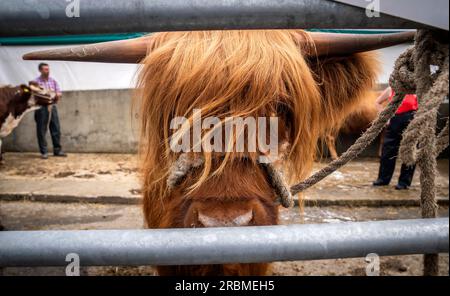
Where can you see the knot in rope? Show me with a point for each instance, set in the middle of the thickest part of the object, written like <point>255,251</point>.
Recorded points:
<point>419,137</point>
<point>402,78</point>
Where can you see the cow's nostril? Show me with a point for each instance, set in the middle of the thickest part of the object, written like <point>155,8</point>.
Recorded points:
<point>242,219</point>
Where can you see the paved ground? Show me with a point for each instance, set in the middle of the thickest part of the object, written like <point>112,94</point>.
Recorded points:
<point>112,178</point>
<point>79,177</point>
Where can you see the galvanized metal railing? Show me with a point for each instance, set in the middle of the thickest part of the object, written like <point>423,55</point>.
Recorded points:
<point>225,245</point>
<point>50,17</point>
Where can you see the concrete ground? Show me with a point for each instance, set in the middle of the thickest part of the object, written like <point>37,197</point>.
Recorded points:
<point>101,191</point>
<point>112,178</point>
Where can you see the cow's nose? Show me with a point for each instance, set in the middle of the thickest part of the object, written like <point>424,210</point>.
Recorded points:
<point>241,219</point>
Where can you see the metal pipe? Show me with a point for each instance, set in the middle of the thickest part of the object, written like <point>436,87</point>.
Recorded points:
<point>50,17</point>
<point>224,245</point>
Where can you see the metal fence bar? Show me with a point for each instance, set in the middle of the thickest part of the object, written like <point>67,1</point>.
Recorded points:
<point>225,245</point>
<point>50,17</point>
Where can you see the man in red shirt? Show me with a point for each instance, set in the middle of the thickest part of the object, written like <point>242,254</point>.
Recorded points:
<point>392,139</point>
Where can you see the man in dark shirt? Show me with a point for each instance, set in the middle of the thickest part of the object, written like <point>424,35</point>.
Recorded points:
<point>392,139</point>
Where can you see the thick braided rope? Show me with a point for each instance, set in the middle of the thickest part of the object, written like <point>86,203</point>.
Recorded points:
<point>423,126</point>
<point>411,75</point>
<point>419,143</point>
<point>181,168</point>
<point>369,135</point>
<point>442,140</point>
<point>279,184</point>
<point>402,79</point>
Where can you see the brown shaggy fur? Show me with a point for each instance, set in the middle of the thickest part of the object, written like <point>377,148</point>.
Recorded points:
<point>355,123</point>
<point>237,73</point>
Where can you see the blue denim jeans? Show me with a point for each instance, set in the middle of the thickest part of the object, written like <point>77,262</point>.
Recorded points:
<point>41,117</point>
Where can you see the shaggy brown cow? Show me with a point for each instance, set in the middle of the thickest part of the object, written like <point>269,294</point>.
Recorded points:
<point>310,81</point>
<point>355,123</point>
<point>15,102</point>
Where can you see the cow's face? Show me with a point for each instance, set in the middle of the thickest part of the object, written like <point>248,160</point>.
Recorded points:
<point>263,75</point>
<point>241,196</point>
<point>36,95</point>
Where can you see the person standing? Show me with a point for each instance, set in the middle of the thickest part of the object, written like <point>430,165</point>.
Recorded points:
<point>46,117</point>
<point>392,138</point>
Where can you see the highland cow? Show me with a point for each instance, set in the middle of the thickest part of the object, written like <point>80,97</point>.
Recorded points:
<point>309,81</point>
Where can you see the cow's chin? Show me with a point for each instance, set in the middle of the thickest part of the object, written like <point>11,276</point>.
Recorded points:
<point>238,269</point>
<point>212,212</point>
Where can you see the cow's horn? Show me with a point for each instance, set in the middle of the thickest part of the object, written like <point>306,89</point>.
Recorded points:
<point>134,50</point>
<point>122,51</point>
<point>335,44</point>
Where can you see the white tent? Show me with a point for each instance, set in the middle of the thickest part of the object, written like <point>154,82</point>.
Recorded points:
<point>70,75</point>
